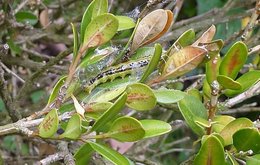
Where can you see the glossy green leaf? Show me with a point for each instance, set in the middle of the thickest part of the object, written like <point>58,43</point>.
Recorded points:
<point>125,23</point>
<point>210,153</point>
<point>75,41</point>
<point>153,62</point>
<point>104,95</point>
<point>212,68</point>
<point>73,129</point>
<point>99,7</point>
<point>49,125</point>
<point>140,97</point>
<point>195,92</point>
<point>111,112</point>
<point>83,155</point>
<point>235,125</point>
<point>56,88</point>
<point>168,96</point>
<point>192,109</point>
<point>26,17</point>
<point>155,127</point>
<point>100,30</point>
<point>219,122</point>
<point>234,60</point>
<point>246,81</point>
<point>228,83</point>
<point>87,16</point>
<point>110,154</point>
<point>126,129</point>
<point>252,141</point>
<point>253,160</point>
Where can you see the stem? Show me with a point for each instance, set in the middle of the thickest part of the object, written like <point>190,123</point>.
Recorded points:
<point>213,103</point>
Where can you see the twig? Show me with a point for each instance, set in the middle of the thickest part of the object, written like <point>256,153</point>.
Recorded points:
<point>252,22</point>
<point>253,91</point>
<point>241,110</point>
<point>174,150</point>
<point>7,99</point>
<point>20,6</point>
<point>11,72</point>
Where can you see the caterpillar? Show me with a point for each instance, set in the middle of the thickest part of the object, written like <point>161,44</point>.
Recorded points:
<point>111,73</point>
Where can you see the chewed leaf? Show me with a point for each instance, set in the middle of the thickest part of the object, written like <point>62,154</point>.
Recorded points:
<point>228,83</point>
<point>80,110</point>
<point>140,97</point>
<point>100,30</point>
<point>246,81</point>
<point>125,23</point>
<point>234,60</point>
<point>49,125</point>
<point>151,27</point>
<point>153,62</point>
<point>126,129</point>
<point>155,127</point>
<point>207,36</point>
<point>73,129</point>
<point>182,62</point>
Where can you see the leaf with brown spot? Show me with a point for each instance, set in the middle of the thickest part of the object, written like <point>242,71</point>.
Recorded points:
<point>140,97</point>
<point>234,60</point>
<point>152,27</point>
<point>49,125</point>
<point>207,36</point>
<point>182,62</point>
<point>100,30</point>
<point>126,129</point>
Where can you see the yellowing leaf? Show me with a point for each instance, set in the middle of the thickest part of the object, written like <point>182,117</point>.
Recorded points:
<point>80,110</point>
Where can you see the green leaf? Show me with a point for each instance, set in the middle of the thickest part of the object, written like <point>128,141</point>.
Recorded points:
<point>26,17</point>
<point>194,92</point>
<point>246,81</point>
<point>75,41</point>
<point>153,62</point>
<point>15,48</point>
<point>104,95</point>
<point>126,129</point>
<point>110,113</point>
<point>56,88</point>
<point>168,96</point>
<point>87,16</point>
<point>100,30</point>
<point>193,110</point>
<point>94,111</point>
<point>125,23</point>
<point>219,122</point>
<point>212,68</point>
<point>234,60</point>
<point>73,129</point>
<point>142,52</point>
<point>83,155</point>
<point>155,127</point>
<point>253,160</point>
<point>232,127</point>
<point>232,159</point>
<point>228,83</point>
<point>49,125</point>
<point>252,141</point>
<point>110,154</point>
<point>210,153</point>
<point>99,7</point>
<point>140,97</point>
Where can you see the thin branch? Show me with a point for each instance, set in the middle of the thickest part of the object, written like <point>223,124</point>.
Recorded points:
<point>253,91</point>
<point>11,72</point>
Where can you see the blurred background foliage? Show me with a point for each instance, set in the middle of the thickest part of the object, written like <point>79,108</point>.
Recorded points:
<point>35,37</point>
